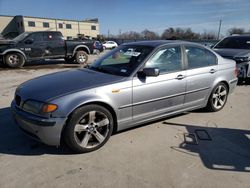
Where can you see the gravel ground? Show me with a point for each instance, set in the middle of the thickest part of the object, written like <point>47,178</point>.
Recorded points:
<point>154,155</point>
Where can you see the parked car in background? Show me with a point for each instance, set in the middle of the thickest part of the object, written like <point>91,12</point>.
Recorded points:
<point>30,46</point>
<point>236,48</point>
<point>133,84</point>
<point>98,47</point>
<point>109,44</point>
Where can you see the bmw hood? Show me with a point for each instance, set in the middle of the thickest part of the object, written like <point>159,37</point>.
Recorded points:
<point>54,85</point>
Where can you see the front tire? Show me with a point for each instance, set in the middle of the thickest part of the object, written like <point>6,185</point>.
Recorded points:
<point>89,128</point>
<point>81,57</point>
<point>14,60</point>
<point>218,98</point>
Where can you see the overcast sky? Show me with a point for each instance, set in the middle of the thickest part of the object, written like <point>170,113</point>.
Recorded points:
<point>135,15</point>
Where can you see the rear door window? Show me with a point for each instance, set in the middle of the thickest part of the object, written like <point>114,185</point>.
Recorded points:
<point>199,57</point>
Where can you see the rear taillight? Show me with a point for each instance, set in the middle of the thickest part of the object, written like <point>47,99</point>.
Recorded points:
<point>236,71</point>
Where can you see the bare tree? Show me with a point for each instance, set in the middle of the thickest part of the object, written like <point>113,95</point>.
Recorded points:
<point>150,35</point>
<point>208,35</point>
<point>168,33</point>
<point>131,35</point>
<point>179,33</point>
<point>235,30</point>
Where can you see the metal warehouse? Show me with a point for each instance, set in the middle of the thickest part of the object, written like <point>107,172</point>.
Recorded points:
<point>12,26</point>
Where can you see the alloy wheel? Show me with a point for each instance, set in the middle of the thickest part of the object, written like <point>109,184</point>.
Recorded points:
<point>92,129</point>
<point>219,97</point>
<point>82,58</point>
<point>14,59</point>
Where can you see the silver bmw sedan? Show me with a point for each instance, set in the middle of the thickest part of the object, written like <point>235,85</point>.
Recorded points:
<point>133,84</point>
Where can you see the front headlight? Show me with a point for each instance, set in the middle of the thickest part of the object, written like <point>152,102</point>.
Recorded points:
<point>37,107</point>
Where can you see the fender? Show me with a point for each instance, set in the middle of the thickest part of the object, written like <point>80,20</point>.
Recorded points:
<point>73,101</point>
<point>14,50</point>
<point>81,46</point>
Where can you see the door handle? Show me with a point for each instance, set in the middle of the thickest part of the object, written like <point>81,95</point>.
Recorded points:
<point>212,71</point>
<point>180,77</point>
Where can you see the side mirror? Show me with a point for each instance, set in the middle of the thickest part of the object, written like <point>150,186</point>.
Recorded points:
<point>29,41</point>
<point>151,72</point>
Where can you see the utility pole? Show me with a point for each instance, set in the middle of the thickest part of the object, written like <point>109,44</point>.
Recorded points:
<point>108,33</point>
<point>56,24</point>
<point>218,37</point>
<point>79,32</point>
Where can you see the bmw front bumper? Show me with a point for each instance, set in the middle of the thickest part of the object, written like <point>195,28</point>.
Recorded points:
<point>46,130</point>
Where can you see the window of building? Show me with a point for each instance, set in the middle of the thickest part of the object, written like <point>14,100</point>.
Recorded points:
<point>68,26</point>
<point>45,24</point>
<point>31,24</point>
<point>198,57</point>
<point>167,60</point>
<point>93,27</point>
<point>60,25</point>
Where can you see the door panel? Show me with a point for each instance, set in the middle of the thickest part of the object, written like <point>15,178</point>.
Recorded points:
<point>158,95</point>
<point>164,93</point>
<point>199,83</point>
<point>55,45</point>
<point>34,46</point>
<point>201,73</point>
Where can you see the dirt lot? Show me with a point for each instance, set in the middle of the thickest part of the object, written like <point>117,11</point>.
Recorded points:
<point>154,155</point>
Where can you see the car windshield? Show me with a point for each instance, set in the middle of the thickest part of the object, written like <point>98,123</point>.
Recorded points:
<point>123,60</point>
<point>21,37</point>
<point>234,43</point>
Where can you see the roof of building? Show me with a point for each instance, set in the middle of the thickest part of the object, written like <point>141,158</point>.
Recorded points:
<point>6,16</point>
<point>93,20</point>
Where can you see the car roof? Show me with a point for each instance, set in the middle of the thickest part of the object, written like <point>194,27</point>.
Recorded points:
<point>238,37</point>
<point>156,43</point>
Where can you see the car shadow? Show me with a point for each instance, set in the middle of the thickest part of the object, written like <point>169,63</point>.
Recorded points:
<point>228,149</point>
<point>14,142</point>
<point>219,148</point>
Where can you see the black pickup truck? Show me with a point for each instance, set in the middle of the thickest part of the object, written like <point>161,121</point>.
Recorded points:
<point>31,46</point>
<point>236,47</point>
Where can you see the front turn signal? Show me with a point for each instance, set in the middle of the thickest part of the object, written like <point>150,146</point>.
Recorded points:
<point>47,108</point>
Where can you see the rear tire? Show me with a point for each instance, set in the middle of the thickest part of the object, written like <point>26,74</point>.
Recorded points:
<point>88,129</point>
<point>81,57</point>
<point>218,98</point>
<point>14,60</point>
